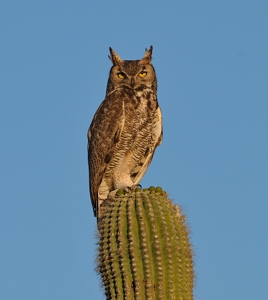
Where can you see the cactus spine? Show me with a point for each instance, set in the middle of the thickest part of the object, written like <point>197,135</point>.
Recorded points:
<point>143,249</point>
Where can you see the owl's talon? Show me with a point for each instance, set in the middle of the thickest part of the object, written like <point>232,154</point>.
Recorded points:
<point>132,188</point>
<point>113,194</point>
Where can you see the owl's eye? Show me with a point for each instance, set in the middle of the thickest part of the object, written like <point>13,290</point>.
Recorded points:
<point>121,75</point>
<point>142,74</point>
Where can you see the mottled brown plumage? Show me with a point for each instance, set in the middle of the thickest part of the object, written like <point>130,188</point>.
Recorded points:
<point>125,130</point>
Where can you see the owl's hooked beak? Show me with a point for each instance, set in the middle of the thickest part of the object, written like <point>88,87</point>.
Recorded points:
<point>132,82</point>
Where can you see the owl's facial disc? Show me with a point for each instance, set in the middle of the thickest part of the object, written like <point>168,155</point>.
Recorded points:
<point>132,74</point>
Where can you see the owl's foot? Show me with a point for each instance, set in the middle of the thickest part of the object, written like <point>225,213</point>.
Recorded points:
<point>112,194</point>
<point>132,188</point>
<point>127,189</point>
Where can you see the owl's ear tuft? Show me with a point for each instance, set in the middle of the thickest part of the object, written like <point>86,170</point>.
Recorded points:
<point>115,58</point>
<point>147,56</point>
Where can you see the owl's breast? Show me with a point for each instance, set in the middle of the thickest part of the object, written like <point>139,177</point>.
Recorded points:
<point>138,139</point>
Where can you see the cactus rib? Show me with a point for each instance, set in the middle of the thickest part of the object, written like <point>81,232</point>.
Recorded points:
<point>144,251</point>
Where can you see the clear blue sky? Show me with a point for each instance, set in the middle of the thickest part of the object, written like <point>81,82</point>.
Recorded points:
<point>211,58</point>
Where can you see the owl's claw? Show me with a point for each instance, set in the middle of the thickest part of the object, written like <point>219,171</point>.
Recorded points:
<point>132,188</point>
<point>127,189</point>
<point>112,194</point>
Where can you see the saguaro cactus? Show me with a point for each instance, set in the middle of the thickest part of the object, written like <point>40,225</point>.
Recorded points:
<point>143,249</point>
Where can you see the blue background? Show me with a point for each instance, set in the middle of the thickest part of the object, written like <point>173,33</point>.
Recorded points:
<point>211,58</point>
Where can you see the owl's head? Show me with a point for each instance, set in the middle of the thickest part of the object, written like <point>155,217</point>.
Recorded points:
<point>136,74</point>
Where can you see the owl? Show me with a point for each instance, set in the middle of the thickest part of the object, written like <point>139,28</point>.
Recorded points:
<point>125,130</point>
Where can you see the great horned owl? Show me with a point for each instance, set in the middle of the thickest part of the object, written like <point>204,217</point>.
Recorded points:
<point>125,130</point>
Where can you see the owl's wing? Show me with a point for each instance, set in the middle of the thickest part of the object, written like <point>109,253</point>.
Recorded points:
<point>103,135</point>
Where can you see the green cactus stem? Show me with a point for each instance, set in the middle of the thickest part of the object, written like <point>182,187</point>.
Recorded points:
<point>144,251</point>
